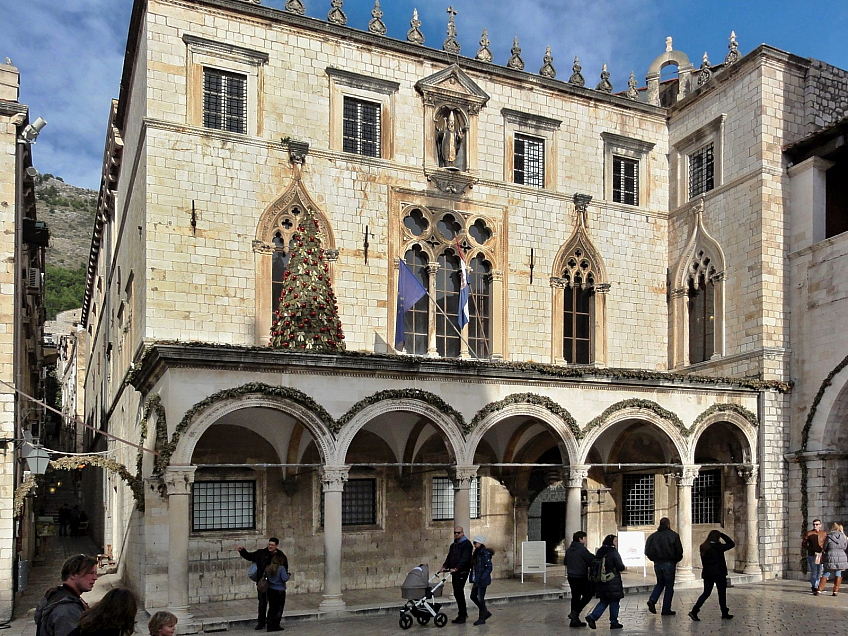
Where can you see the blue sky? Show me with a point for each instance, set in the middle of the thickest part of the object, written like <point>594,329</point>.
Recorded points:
<point>70,52</point>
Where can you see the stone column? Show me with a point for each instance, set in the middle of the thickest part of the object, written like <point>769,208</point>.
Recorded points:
<point>462,477</point>
<point>333,479</point>
<point>178,481</point>
<point>752,537</point>
<point>684,520</point>
<point>497,318</point>
<point>432,270</point>
<point>573,516</point>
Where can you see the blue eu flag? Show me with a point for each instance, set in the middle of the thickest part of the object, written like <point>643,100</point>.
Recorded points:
<point>410,291</point>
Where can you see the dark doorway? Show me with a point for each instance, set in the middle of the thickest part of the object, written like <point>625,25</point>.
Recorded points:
<point>553,528</point>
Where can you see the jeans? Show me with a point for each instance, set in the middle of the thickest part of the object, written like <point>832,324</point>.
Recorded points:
<point>478,597</point>
<point>581,593</point>
<point>721,586</point>
<point>263,607</point>
<point>458,580</point>
<point>816,571</point>
<point>602,606</point>
<point>276,605</point>
<point>665,571</point>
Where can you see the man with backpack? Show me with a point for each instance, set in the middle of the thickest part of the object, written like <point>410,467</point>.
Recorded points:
<point>58,612</point>
<point>262,558</point>
<point>663,547</point>
<point>577,562</point>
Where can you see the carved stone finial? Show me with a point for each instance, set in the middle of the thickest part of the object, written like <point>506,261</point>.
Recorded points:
<point>548,69</point>
<point>733,52</point>
<point>484,53</point>
<point>668,45</point>
<point>515,62</point>
<point>451,45</point>
<point>376,24</point>
<point>336,15</point>
<point>604,85</point>
<point>705,72</point>
<point>295,6</point>
<point>632,93</point>
<point>414,34</point>
<point>576,76</point>
<point>581,206</point>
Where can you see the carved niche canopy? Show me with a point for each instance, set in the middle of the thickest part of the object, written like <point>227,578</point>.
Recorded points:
<point>452,86</point>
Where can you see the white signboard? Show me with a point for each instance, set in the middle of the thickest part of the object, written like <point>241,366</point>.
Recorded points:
<point>533,559</point>
<point>631,547</point>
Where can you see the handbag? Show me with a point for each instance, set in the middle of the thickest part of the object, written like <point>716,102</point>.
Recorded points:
<point>262,585</point>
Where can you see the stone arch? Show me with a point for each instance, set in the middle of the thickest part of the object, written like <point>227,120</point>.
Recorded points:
<point>668,58</point>
<point>206,413</point>
<point>642,410</point>
<point>738,416</point>
<point>280,217</point>
<point>427,405</point>
<point>558,421</point>
<point>830,401</point>
<point>702,257</point>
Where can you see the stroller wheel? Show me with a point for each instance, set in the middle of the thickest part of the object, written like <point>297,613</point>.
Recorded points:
<point>441,619</point>
<point>423,620</point>
<point>405,621</point>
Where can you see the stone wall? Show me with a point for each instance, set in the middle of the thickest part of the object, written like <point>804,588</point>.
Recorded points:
<point>825,96</point>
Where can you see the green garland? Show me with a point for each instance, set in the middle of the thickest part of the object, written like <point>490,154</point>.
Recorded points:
<point>527,398</point>
<point>724,408</point>
<point>409,394</point>
<point>639,404</point>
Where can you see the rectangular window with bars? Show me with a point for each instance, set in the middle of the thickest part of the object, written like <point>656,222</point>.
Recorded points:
<point>625,180</point>
<point>638,509</point>
<point>706,497</point>
<point>223,505</point>
<point>359,503</point>
<point>224,101</point>
<point>528,166</point>
<point>361,127</point>
<point>441,502</point>
<point>701,171</point>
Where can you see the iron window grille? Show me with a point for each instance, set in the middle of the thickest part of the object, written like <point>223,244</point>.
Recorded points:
<point>701,171</point>
<point>625,180</point>
<point>441,502</point>
<point>528,166</point>
<point>224,101</point>
<point>223,505</point>
<point>638,500</point>
<point>361,127</point>
<point>706,497</point>
<point>359,503</point>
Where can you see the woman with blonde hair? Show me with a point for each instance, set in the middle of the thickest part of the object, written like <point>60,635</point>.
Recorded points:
<point>834,558</point>
<point>162,624</point>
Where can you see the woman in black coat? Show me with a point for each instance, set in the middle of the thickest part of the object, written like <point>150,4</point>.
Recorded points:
<point>714,571</point>
<point>610,592</point>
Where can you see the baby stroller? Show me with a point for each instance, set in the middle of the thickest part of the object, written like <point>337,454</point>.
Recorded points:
<point>419,591</point>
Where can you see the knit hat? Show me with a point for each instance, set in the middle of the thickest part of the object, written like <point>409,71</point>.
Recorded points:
<point>479,539</point>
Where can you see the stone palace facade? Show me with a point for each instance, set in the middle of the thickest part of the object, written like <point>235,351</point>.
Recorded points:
<point>637,260</point>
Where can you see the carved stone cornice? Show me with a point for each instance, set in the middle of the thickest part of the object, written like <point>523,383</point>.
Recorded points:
<point>462,476</point>
<point>576,475</point>
<point>452,181</point>
<point>333,478</point>
<point>178,479</point>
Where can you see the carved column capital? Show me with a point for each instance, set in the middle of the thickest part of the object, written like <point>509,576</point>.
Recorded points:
<point>686,477</point>
<point>432,268</point>
<point>178,479</point>
<point>680,292</point>
<point>462,476</point>
<point>261,247</point>
<point>603,288</point>
<point>496,275</point>
<point>331,255</point>
<point>333,478</point>
<point>749,474</point>
<point>576,475</point>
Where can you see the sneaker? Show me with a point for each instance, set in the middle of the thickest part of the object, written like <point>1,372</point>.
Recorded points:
<point>694,615</point>
<point>459,619</point>
<point>652,606</point>
<point>669,613</point>
<point>590,622</point>
<point>616,626</point>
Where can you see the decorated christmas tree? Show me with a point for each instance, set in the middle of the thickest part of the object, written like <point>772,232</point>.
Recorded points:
<point>307,315</point>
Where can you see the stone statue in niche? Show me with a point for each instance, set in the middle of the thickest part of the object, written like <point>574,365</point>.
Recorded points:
<point>450,140</point>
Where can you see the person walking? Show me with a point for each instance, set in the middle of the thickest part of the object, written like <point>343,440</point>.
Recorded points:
<point>458,563</point>
<point>162,623</point>
<point>481,576</point>
<point>64,519</point>
<point>812,544</point>
<point>577,562</point>
<point>277,575</point>
<point>114,615</point>
<point>74,520</point>
<point>714,572</point>
<point>835,559</point>
<point>663,547</point>
<point>609,592</point>
<point>262,559</point>
<point>58,612</point>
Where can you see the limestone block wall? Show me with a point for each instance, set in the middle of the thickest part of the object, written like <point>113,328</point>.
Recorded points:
<point>825,96</point>
<point>773,486</point>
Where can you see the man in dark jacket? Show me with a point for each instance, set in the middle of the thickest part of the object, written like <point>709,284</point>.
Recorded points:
<point>577,561</point>
<point>458,563</point>
<point>59,610</point>
<point>663,547</point>
<point>262,558</point>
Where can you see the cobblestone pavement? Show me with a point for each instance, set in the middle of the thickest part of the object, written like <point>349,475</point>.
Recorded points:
<point>773,608</point>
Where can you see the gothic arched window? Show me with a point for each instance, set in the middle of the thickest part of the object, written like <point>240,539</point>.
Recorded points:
<point>416,319</point>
